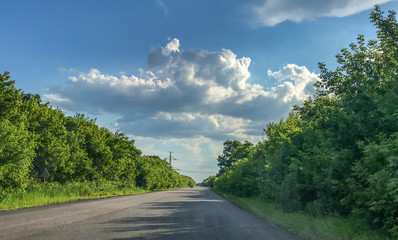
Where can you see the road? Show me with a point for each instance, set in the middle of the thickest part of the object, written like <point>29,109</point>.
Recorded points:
<point>193,213</point>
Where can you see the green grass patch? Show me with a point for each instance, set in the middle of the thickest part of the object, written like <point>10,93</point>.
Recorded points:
<point>40,195</point>
<point>307,226</point>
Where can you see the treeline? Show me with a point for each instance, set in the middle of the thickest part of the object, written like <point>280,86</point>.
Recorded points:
<point>35,136</point>
<point>337,154</point>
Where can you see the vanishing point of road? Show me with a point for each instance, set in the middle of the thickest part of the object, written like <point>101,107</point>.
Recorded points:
<point>192,213</point>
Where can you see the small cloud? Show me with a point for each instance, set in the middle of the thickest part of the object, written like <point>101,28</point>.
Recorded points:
<point>55,98</point>
<point>67,70</point>
<point>301,85</point>
<point>273,12</point>
<point>172,46</point>
<point>161,5</point>
<point>194,147</point>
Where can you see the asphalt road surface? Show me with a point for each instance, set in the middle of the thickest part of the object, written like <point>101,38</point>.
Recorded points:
<point>193,213</point>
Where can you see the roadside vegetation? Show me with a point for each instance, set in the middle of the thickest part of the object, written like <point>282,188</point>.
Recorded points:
<point>83,159</point>
<point>332,165</point>
<point>306,225</point>
<point>53,192</point>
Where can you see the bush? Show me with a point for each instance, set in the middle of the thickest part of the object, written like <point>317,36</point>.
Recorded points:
<point>374,190</point>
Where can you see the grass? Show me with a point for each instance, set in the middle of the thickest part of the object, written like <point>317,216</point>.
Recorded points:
<point>40,195</point>
<point>307,226</point>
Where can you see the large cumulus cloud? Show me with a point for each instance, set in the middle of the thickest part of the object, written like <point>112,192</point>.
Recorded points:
<point>188,93</point>
<point>272,12</point>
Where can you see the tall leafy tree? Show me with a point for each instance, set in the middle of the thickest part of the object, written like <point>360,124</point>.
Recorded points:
<point>227,159</point>
<point>10,97</point>
<point>16,156</point>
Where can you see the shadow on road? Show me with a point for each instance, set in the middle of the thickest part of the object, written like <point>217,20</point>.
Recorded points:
<point>195,215</point>
<point>189,218</point>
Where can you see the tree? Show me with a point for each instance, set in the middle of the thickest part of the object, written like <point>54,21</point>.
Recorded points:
<point>125,156</point>
<point>10,99</point>
<point>225,160</point>
<point>16,156</point>
<point>233,151</point>
<point>374,184</point>
<point>47,125</point>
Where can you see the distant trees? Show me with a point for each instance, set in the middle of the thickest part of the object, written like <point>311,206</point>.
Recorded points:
<point>34,136</point>
<point>338,152</point>
<point>156,173</point>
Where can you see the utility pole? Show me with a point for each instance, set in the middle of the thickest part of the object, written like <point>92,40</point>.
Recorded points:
<point>170,158</point>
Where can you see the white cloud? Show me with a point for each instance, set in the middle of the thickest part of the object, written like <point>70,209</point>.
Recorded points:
<point>216,94</point>
<point>273,12</point>
<point>193,147</point>
<point>188,94</point>
<point>303,82</point>
<point>123,84</point>
<point>173,46</point>
<point>55,98</point>
<point>189,125</point>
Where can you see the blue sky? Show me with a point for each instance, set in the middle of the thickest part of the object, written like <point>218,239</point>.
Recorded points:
<point>177,75</point>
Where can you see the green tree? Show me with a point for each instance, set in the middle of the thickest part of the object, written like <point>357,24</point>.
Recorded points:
<point>226,159</point>
<point>16,155</point>
<point>125,156</point>
<point>47,125</point>
<point>239,179</point>
<point>10,98</point>
<point>374,184</point>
